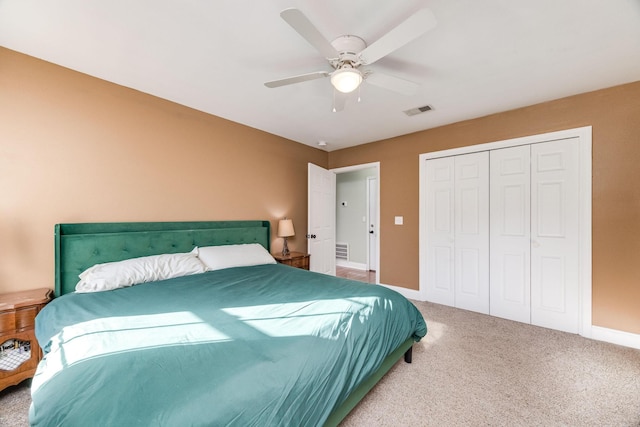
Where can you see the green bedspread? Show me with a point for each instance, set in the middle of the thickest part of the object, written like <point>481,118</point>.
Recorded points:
<point>250,346</point>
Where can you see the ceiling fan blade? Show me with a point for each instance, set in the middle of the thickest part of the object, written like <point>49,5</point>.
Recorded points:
<point>395,84</point>
<point>297,79</point>
<point>410,29</point>
<point>309,32</point>
<point>339,100</point>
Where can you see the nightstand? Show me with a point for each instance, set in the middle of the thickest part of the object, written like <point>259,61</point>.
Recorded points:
<point>294,259</point>
<point>19,350</point>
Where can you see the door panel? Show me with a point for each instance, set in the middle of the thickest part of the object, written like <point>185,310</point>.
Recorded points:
<point>510,233</point>
<point>552,283</point>
<point>555,291</point>
<point>442,272</point>
<point>443,211</point>
<point>470,272</point>
<point>439,231</point>
<point>515,271</point>
<point>471,231</point>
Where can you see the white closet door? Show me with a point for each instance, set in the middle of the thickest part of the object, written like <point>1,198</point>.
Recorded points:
<point>555,293</point>
<point>471,243</point>
<point>440,231</point>
<point>510,233</point>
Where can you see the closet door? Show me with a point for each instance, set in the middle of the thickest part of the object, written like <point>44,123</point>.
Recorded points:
<point>440,231</point>
<point>510,233</point>
<point>471,242</point>
<point>555,292</point>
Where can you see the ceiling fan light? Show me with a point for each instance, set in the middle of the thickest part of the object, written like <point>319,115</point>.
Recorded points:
<point>346,80</point>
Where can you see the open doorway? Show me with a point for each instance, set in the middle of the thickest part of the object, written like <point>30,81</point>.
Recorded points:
<point>357,228</point>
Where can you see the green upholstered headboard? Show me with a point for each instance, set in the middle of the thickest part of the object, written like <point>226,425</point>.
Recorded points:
<point>80,246</point>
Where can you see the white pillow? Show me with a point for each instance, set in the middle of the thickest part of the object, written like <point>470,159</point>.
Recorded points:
<point>227,256</point>
<point>120,274</point>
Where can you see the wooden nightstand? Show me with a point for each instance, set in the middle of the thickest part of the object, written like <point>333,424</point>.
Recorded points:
<point>19,350</point>
<point>294,259</point>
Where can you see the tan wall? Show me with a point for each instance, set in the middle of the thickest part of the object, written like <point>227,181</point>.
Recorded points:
<point>78,149</point>
<point>615,116</point>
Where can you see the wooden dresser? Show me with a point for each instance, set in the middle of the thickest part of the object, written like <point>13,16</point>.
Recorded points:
<point>19,350</point>
<point>294,259</point>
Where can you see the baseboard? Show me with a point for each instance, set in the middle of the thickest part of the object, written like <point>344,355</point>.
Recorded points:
<point>614,336</point>
<point>351,264</point>
<point>598,333</point>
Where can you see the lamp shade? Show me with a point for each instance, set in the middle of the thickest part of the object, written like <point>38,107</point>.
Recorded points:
<point>285,228</point>
<point>346,80</point>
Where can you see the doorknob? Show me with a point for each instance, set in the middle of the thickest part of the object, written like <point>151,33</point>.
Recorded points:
<point>371,232</point>
<point>311,236</point>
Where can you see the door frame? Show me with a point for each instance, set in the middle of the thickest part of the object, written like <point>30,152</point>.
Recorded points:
<point>584,135</point>
<point>376,166</point>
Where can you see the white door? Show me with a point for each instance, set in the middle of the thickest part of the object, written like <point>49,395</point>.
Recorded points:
<point>439,209</point>
<point>321,220</point>
<point>510,241</point>
<point>372,207</point>
<point>457,232</point>
<point>555,215</point>
<point>471,231</point>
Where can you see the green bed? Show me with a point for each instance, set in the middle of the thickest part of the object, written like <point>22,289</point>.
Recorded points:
<point>256,345</point>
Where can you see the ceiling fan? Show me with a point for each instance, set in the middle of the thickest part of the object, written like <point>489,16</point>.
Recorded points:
<point>347,53</point>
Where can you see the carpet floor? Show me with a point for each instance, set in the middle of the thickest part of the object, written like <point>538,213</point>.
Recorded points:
<point>478,370</point>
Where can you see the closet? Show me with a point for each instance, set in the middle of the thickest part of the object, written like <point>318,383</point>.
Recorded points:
<point>502,232</point>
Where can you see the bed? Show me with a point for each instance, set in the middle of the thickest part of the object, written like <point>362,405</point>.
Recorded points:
<point>240,343</point>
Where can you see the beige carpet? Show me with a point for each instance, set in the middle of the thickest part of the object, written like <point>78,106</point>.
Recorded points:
<point>476,370</point>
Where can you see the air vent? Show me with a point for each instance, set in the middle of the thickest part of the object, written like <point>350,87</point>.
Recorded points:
<point>418,110</point>
<point>342,251</point>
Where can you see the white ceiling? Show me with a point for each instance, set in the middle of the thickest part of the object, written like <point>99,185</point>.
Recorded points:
<point>483,57</point>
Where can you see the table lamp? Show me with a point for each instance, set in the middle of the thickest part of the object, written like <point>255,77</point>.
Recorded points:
<point>285,230</point>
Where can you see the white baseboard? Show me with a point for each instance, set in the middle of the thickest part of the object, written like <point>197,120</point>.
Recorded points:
<point>351,264</point>
<point>598,333</point>
<point>614,336</point>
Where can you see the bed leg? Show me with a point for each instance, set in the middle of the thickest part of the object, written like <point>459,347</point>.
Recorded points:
<point>408,354</point>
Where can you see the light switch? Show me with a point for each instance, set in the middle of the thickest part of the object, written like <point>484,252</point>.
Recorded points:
<point>399,220</point>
